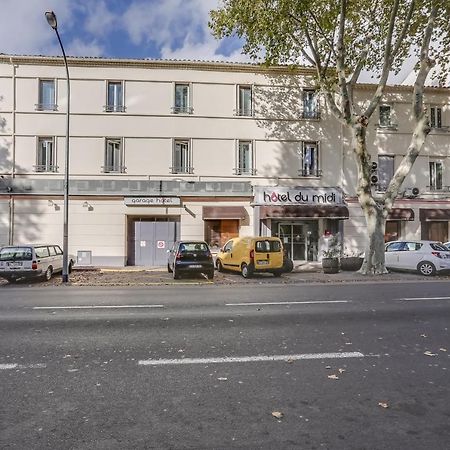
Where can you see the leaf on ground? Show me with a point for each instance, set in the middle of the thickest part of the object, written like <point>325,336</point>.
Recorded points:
<point>333,377</point>
<point>277,414</point>
<point>222,379</point>
<point>423,335</point>
<point>289,361</point>
<point>341,370</point>
<point>428,353</point>
<point>383,404</point>
<point>443,349</point>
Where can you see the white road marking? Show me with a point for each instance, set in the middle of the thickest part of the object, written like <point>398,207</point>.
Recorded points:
<point>98,307</point>
<point>423,298</point>
<point>287,303</point>
<point>240,359</point>
<point>22,366</point>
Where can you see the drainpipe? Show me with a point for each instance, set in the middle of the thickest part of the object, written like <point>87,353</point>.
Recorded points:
<point>13,168</point>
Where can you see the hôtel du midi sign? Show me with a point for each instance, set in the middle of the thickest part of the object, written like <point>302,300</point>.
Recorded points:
<point>268,195</point>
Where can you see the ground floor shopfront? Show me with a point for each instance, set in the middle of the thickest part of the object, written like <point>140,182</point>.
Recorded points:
<point>128,230</point>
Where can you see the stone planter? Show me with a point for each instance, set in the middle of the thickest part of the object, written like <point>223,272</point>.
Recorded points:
<point>351,263</point>
<point>330,265</point>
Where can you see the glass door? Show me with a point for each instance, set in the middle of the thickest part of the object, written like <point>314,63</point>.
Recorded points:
<point>300,239</point>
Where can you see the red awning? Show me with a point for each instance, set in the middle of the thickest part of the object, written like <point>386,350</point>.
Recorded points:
<point>224,212</point>
<point>401,214</point>
<point>437,214</point>
<point>307,211</point>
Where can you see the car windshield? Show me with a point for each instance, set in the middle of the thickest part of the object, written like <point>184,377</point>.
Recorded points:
<point>193,247</point>
<point>439,247</point>
<point>16,254</point>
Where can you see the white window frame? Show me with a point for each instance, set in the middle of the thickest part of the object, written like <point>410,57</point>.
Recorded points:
<point>48,163</point>
<point>115,107</point>
<point>385,125</point>
<point>240,110</point>
<point>435,116</point>
<point>436,184</point>
<point>41,106</point>
<point>240,169</point>
<point>110,163</point>
<point>185,166</point>
<point>313,111</point>
<point>182,109</point>
<point>304,171</point>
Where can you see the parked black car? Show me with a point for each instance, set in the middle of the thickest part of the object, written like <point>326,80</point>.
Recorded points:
<point>188,257</point>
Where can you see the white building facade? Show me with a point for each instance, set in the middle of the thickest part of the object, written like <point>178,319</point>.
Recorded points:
<point>163,150</point>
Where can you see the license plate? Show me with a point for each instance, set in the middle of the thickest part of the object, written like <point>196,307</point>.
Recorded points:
<point>262,262</point>
<point>195,266</point>
<point>14,265</point>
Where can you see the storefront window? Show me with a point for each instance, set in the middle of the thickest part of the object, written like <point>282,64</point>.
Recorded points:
<point>218,232</point>
<point>392,230</point>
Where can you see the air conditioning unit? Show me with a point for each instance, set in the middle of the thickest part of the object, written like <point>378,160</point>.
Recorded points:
<point>411,192</point>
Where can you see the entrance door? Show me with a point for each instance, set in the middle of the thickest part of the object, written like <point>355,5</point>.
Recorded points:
<point>300,239</point>
<point>149,240</point>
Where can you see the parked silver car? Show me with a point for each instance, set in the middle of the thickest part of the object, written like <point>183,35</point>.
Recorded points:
<point>33,260</point>
<point>447,244</point>
<point>427,257</point>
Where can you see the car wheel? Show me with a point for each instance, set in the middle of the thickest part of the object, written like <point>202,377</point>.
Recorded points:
<point>246,271</point>
<point>426,268</point>
<point>176,276</point>
<point>168,268</point>
<point>219,265</point>
<point>48,273</point>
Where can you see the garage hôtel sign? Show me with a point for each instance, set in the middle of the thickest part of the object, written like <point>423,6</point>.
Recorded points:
<point>152,201</point>
<point>268,195</point>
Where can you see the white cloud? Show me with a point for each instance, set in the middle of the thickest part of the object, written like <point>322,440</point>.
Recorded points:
<point>100,21</point>
<point>78,47</point>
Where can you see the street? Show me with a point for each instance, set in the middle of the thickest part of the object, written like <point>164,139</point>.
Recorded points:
<point>261,366</point>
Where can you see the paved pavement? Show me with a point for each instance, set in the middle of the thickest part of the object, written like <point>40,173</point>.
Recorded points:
<point>148,276</point>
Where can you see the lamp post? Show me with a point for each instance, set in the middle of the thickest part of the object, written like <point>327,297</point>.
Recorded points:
<point>51,19</point>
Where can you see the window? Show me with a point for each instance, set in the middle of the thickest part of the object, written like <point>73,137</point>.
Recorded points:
<point>385,172</point>
<point>244,158</point>
<point>113,156</point>
<point>47,96</point>
<point>435,117</point>
<point>310,105</point>
<point>392,231</point>
<point>309,160</point>
<point>385,116</point>
<point>182,99</point>
<point>46,155</point>
<point>436,168</point>
<point>42,252</point>
<point>181,157</point>
<point>114,97</point>
<point>244,101</point>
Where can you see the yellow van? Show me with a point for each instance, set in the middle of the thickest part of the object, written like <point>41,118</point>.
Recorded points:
<point>251,254</point>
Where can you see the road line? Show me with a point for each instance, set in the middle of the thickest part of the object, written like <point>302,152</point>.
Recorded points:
<point>410,299</point>
<point>286,303</point>
<point>240,359</point>
<point>22,366</point>
<point>98,307</point>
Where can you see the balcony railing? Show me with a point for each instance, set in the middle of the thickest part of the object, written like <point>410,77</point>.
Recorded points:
<point>46,107</point>
<point>311,115</point>
<point>244,112</point>
<point>243,171</point>
<point>45,168</point>
<point>114,108</point>
<point>182,109</point>
<point>114,169</point>
<point>310,173</point>
<point>181,169</point>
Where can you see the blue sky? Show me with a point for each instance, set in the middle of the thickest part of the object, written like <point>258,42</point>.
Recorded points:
<point>168,29</point>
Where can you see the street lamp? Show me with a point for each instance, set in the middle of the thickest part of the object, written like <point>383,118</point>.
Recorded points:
<point>51,19</point>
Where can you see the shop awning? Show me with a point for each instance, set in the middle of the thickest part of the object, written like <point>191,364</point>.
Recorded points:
<point>401,214</point>
<point>307,211</point>
<point>437,214</point>
<point>224,212</point>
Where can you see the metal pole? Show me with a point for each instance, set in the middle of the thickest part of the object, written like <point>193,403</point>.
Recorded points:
<point>65,271</point>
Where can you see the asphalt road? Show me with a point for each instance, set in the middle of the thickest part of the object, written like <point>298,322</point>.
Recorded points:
<point>360,366</point>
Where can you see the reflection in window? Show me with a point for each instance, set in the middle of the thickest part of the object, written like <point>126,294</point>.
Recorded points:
<point>244,101</point>
<point>113,156</point>
<point>115,97</point>
<point>47,96</point>
<point>436,169</point>
<point>310,160</point>
<point>46,155</point>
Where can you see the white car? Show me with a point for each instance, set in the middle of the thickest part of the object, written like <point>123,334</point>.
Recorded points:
<point>31,261</point>
<point>427,257</point>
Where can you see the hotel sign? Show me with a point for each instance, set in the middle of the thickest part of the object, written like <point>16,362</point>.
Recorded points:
<point>152,201</point>
<point>285,196</point>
